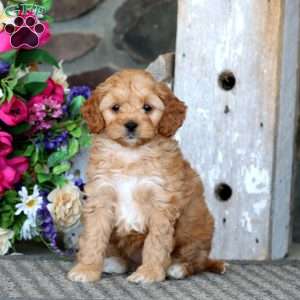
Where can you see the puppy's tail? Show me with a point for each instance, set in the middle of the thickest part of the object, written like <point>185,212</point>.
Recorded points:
<point>216,266</point>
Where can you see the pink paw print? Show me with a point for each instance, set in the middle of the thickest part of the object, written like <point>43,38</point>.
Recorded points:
<point>25,32</point>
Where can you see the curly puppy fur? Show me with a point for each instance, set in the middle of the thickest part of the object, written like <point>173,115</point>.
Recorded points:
<point>145,203</point>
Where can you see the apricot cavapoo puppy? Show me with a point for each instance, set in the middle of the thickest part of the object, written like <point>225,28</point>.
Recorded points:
<point>145,204</point>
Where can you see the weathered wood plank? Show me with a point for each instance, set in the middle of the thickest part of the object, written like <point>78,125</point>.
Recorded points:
<point>230,136</point>
<point>287,116</point>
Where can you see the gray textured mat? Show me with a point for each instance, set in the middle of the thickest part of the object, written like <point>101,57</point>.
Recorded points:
<point>44,278</point>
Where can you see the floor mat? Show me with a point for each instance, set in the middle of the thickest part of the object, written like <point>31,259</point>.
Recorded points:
<point>32,277</point>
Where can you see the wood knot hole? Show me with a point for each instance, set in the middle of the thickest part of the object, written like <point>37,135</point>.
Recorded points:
<point>227,80</point>
<point>223,192</point>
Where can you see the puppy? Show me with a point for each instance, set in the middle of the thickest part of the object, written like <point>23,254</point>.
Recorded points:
<point>145,204</point>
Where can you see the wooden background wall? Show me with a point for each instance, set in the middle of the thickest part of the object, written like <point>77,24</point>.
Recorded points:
<point>240,126</point>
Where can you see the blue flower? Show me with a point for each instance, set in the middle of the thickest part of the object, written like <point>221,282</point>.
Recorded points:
<point>54,142</point>
<point>4,68</point>
<point>79,183</point>
<point>46,224</point>
<point>81,90</point>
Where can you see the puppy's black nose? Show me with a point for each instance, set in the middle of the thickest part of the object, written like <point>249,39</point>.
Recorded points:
<point>131,126</point>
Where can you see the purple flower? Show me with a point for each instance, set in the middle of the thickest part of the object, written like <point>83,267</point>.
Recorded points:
<point>79,183</point>
<point>47,228</point>
<point>46,224</point>
<point>43,114</point>
<point>4,68</point>
<point>81,90</point>
<point>54,142</point>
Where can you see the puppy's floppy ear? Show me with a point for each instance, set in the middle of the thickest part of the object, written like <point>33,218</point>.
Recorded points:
<point>174,113</point>
<point>91,112</point>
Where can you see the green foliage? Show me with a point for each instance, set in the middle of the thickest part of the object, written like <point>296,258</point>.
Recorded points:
<point>19,129</point>
<point>8,84</point>
<point>32,84</point>
<point>9,56</point>
<point>25,57</point>
<point>7,209</point>
<point>76,105</point>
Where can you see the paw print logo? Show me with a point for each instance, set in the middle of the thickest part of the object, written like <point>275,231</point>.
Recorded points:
<point>25,32</point>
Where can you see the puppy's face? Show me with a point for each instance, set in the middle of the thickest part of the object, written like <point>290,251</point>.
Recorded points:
<point>132,113</point>
<point>132,108</point>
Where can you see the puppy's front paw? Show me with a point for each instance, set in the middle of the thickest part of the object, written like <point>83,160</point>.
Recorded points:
<point>84,273</point>
<point>146,274</point>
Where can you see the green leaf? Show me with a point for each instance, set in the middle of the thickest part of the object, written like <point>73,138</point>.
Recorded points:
<point>76,132</point>
<point>26,57</point>
<point>9,56</point>
<point>29,150</point>
<point>43,177</point>
<point>11,196</point>
<point>28,180</point>
<point>17,226</point>
<point>35,77</point>
<point>85,139</point>
<point>59,180</point>
<point>35,88</point>
<point>57,157</point>
<point>62,168</point>
<point>76,105</point>
<point>73,147</point>
<point>47,4</point>
<point>7,219</point>
<point>71,126</point>
<point>39,168</point>
<point>35,156</point>
<point>19,129</point>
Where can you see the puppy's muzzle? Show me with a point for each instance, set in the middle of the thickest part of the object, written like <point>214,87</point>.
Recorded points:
<point>131,128</point>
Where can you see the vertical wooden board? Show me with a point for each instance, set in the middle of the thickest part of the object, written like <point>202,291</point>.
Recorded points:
<point>281,205</point>
<point>229,136</point>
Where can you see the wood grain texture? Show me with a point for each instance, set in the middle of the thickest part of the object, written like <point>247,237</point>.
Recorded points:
<point>287,117</point>
<point>230,136</point>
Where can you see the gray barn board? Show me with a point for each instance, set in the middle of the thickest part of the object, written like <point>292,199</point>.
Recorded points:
<point>242,137</point>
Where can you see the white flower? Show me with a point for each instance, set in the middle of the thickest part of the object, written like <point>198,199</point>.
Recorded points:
<point>60,77</point>
<point>5,236</point>
<point>1,93</point>
<point>30,203</point>
<point>29,229</point>
<point>65,206</point>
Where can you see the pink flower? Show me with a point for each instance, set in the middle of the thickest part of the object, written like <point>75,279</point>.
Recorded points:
<point>45,107</point>
<point>13,112</point>
<point>5,42</point>
<point>20,165</point>
<point>42,115</point>
<point>46,35</point>
<point>53,90</point>
<point>11,171</point>
<point>5,143</point>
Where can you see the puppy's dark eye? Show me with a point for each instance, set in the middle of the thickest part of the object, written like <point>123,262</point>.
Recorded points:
<point>147,108</point>
<point>116,108</point>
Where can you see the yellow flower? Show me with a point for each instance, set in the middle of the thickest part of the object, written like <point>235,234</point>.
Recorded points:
<point>5,236</point>
<point>65,206</point>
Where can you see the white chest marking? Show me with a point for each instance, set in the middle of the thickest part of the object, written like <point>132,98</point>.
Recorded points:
<point>129,213</point>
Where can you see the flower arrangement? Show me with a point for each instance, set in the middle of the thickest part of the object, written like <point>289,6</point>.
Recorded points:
<point>41,132</point>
